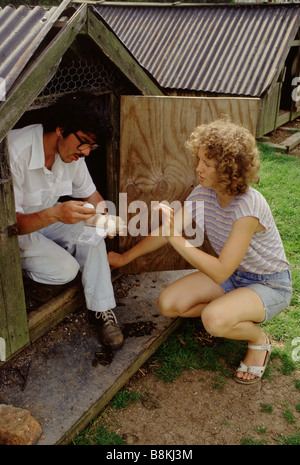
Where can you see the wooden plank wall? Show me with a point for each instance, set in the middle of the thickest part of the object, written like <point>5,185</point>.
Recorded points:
<point>154,163</point>
<point>13,318</point>
<point>269,110</point>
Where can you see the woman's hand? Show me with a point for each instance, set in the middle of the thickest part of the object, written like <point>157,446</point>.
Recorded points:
<point>168,228</point>
<point>116,260</point>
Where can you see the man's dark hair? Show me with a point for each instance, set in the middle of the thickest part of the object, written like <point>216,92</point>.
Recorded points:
<point>80,111</point>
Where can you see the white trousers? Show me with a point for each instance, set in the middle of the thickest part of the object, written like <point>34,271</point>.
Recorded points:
<point>51,256</point>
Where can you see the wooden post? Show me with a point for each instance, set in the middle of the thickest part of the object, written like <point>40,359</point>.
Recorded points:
<point>13,318</point>
<point>113,48</point>
<point>112,161</point>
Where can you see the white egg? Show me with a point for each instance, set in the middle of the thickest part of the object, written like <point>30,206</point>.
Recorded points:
<point>89,205</point>
<point>120,223</point>
<point>111,227</point>
<point>101,221</point>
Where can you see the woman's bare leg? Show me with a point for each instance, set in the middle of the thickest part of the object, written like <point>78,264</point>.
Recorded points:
<point>188,296</point>
<point>233,315</point>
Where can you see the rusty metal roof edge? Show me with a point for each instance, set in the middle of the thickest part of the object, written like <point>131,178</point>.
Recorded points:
<point>21,62</point>
<point>181,4</point>
<point>100,18</point>
<point>258,89</point>
<point>276,72</point>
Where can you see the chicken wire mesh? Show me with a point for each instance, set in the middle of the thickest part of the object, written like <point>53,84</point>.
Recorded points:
<point>94,75</point>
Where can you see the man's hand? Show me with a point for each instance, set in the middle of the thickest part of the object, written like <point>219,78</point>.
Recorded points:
<point>73,211</point>
<point>69,212</point>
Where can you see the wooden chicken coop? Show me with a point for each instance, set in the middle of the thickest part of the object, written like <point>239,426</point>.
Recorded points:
<point>77,45</point>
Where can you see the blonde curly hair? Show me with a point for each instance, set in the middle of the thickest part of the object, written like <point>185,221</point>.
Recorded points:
<point>234,150</point>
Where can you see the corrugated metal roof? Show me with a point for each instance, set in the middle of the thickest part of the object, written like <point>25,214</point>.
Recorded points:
<point>228,49</point>
<point>21,31</point>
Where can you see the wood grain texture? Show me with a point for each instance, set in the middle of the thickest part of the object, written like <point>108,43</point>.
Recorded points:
<point>154,163</point>
<point>13,318</point>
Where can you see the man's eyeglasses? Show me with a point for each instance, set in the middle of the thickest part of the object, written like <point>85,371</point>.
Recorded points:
<point>85,145</point>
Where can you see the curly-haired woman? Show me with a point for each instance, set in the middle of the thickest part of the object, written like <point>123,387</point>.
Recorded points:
<point>248,281</point>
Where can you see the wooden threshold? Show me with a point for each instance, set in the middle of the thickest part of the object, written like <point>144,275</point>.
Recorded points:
<point>118,383</point>
<point>67,385</point>
<point>283,117</point>
<point>47,316</point>
<point>287,144</point>
<point>56,302</point>
<point>291,141</point>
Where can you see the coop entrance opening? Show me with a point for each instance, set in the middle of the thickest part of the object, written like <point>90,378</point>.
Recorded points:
<point>47,305</point>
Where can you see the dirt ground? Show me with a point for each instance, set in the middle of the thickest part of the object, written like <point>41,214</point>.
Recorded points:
<point>191,411</point>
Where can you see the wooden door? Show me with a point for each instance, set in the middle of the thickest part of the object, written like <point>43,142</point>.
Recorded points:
<point>156,166</point>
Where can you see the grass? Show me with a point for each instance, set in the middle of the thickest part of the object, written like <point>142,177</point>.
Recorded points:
<point>292,440</point>
<point>267,408</point>
<point>279,183</point>
<point>124,398</point>
<point>191,348</point>
<point>98,433</point>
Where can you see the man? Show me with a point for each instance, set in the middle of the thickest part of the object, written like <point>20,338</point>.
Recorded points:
<point>47,162</point>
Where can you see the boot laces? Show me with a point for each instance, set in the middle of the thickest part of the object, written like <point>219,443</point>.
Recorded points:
<point>107,317</point>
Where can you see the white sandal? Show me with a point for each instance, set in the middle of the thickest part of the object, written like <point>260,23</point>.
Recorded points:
<point>258,371</point>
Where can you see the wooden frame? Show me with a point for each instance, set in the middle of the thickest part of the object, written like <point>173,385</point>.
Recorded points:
<point>119,55</point>
<point>14,327</point>
<point>13,323</point>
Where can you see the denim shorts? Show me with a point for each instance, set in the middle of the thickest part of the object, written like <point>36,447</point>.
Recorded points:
<point>275,290</point>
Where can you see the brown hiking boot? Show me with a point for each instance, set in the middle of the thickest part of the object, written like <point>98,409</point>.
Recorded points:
<point>110,334</point>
